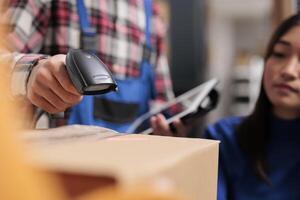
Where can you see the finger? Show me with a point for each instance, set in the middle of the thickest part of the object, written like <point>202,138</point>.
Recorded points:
<point>65,81</point>
<point>162,126</point>
<point>51,97</point>
<point>66,96</point>
<point>42,103</point>
<point>157,129</point>
<point>180,128</point>
<point>58,69</point>
<point>153,124</point>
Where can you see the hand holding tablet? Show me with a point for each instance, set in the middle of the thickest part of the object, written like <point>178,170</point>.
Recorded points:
<point>186,107</point>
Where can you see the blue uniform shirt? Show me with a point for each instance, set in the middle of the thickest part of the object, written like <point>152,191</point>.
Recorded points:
<point>236,176</point>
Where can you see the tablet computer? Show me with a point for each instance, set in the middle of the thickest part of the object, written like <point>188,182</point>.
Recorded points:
<point>188,106</point>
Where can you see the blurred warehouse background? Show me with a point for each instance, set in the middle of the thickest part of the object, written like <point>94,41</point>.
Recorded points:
<point>225,39</point>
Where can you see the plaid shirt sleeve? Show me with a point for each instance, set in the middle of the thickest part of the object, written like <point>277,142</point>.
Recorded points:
<point>163,82</point>
<point>27,25</point>
<point>29,20</point>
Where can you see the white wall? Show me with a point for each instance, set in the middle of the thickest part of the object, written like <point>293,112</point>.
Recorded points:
<point>225,20</point>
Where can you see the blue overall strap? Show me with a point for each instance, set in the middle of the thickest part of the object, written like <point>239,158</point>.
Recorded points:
<point>148,10</point>
<point>148,70</point>
<point>84,18</point>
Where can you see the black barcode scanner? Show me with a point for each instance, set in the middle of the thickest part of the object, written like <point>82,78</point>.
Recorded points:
<point>88,73</point>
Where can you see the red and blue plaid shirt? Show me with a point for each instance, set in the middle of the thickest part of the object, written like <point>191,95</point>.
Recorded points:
<point>52,27</point>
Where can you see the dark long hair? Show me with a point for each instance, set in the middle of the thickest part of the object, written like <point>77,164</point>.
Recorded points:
<point>253,132</point>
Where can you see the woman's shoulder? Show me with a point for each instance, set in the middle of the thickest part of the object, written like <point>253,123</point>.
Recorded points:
<point>224,128</point>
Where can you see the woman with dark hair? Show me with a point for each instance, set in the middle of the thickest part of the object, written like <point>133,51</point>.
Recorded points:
<point>260,153</point>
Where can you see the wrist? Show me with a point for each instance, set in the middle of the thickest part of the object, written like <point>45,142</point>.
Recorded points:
<point>21,73</point>
<point>32,65</point>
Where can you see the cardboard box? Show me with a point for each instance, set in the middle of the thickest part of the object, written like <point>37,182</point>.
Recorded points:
<point>83,155</point>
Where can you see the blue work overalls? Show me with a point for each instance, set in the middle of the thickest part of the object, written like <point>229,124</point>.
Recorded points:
<point>117,110</point>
